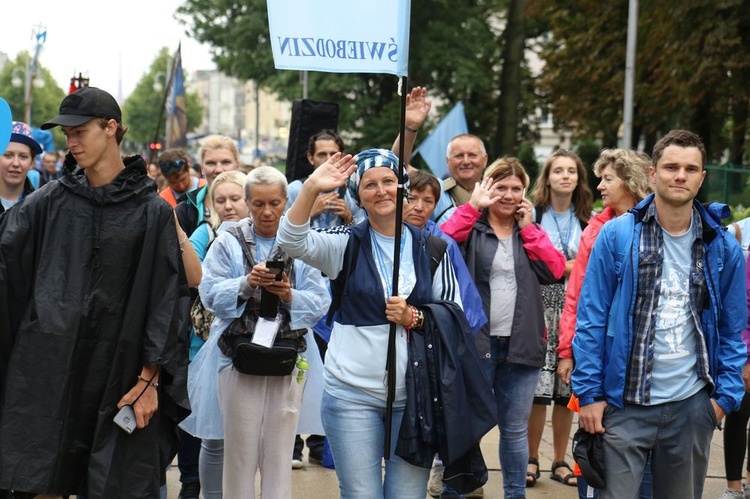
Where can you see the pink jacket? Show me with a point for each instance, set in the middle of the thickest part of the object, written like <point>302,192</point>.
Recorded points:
<point>536,243</point>
<point>567,325</point>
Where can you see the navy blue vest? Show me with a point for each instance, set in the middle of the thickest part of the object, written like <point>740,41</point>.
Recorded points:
<point>363,301</point>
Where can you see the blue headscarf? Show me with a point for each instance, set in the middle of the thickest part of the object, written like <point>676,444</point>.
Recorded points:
<point>370,158</point>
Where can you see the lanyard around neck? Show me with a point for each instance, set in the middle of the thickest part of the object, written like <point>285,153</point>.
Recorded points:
<point>564,239</point>
<point>386,274</point>
<point>258,256</point>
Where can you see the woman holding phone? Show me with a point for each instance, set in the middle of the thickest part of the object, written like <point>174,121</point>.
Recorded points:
<point>255,415</point>
<point>509,257</point>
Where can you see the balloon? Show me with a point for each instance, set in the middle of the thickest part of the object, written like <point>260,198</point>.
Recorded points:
<point>6,124</point>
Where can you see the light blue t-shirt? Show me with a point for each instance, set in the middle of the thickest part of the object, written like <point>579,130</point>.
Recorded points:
<point>563,229</point>
<point>8,203</point>
<point>674,375</point>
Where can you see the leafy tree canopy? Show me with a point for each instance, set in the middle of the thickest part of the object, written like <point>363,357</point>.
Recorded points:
<point>691,65</point>
<point>45,94</point>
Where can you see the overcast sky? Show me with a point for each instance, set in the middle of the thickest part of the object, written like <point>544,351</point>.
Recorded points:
<point>114,43</point>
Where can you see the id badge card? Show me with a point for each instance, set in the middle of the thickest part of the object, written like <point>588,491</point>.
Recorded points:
<point>265,331</point>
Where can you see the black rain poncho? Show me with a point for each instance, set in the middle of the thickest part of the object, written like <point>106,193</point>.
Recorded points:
<point>91,289</point>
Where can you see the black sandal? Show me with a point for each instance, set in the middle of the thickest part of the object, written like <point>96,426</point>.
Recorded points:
<point>565,479</point>
<point>531,478</point>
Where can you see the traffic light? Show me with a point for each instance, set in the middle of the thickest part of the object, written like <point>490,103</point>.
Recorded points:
<point>155,146</point>
<point>78,82</point>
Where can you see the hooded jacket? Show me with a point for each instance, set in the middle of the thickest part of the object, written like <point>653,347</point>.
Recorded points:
<point>91,289</point>
<point>602,344</point>
<point>190,210</point>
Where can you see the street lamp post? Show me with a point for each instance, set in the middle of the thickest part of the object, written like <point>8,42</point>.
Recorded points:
<point>28,81</point>
<point>39,33</point>
<point>32,67</point>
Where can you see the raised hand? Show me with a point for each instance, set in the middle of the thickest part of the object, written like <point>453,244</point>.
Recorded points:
<point>417,108</point>
<point>332,174</point>
<point>485,194</point>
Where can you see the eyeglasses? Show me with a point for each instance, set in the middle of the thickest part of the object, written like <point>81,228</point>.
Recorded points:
<point>167,168</point>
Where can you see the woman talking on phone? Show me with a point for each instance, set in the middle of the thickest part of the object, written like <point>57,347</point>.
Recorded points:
<point>509,257</point>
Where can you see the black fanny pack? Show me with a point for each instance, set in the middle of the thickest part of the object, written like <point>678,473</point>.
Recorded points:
<point>251,358</point>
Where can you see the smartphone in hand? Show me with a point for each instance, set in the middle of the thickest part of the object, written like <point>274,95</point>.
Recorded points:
<point>276,267</point>
<point>125,419</point>
<point>523,196</point>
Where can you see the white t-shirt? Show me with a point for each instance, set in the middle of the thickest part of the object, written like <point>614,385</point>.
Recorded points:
<point>744,225</point>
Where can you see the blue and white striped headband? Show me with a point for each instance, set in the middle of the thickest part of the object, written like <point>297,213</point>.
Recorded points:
<point>370,158</point>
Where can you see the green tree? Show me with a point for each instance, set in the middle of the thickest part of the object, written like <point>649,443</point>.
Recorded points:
<point>45,99</point>
<point>692,65</point>
<point>142,109</point>
<point>456,50</point>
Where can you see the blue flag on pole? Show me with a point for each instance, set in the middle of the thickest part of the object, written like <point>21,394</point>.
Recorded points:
<point>433,148</point>
<point>340,36</point>
<point>176,105</point>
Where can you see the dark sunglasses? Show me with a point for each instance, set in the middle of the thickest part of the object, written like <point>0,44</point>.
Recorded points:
<point>167,168</point>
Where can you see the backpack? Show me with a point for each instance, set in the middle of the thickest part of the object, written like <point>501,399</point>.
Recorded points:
<point>435,245</point>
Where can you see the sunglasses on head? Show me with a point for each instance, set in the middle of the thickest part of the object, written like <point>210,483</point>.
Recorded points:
<point>167,168</point>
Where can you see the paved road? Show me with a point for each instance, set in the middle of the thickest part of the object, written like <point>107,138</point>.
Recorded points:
<point>316,482</point>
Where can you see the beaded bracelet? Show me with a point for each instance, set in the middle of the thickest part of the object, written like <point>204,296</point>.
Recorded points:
<point>417,318</point>
<point>420,320</point>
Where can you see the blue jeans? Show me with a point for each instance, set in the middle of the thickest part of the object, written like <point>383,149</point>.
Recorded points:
<point>355,433</point>
<point>513,385</point>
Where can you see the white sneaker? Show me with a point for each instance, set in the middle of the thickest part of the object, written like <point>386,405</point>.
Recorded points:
<point>732,494</point>
<point>435,484</point>
<point>296,464</point>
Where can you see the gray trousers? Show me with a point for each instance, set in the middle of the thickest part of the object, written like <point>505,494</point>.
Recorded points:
<point>678,436</point>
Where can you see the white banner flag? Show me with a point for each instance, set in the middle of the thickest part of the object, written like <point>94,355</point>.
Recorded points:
<point>340,36</point>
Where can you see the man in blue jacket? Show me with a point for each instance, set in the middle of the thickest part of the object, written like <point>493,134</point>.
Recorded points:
<point>658,345</point>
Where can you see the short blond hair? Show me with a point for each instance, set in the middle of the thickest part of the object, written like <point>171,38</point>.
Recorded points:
<point>213,142</point>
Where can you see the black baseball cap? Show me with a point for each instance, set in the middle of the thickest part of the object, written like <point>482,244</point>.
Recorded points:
<point>588,451</point>
<point>83,106</point>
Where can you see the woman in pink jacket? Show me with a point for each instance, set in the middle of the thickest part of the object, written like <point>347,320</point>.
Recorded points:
<point>509,257</point>
<point>624,183</point>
